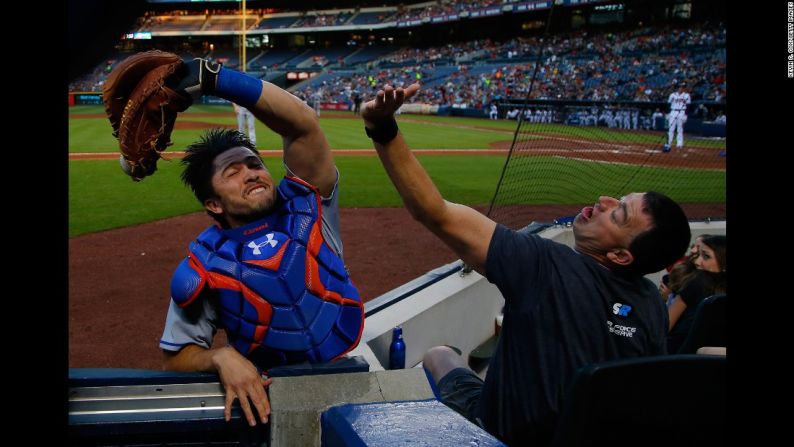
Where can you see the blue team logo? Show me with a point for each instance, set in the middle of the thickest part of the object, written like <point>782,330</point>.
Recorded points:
<point>621,310</point>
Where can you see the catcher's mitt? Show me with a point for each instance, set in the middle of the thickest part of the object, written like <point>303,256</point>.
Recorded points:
<point>142,104</point>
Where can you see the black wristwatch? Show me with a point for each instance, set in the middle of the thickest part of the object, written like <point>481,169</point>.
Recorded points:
<point>384,131</point>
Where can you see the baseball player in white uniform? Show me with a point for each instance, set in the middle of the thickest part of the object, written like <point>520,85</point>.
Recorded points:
<point>678,103</point>
<point>494,112</point>
<point>317,99</point>
<point>246,121</point>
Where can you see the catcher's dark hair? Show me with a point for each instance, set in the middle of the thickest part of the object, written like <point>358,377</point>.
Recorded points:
<point>666,240</point>
<point>199,156</point>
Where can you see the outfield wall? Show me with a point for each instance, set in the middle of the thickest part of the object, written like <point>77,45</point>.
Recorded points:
<point>564,111</point>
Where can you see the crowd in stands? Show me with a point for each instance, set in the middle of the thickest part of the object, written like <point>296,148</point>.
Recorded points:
<point>445,7</point>
<point>168,20</point>
<point>341,89</point>
<point>447,52</point>
<point>208,12</point>
<point>640,65</point>
<point>403,12</point>
<point>95,80</point>
<point>321,20</point>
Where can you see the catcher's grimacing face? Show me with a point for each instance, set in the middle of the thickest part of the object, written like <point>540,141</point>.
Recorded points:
<point>243,187</point>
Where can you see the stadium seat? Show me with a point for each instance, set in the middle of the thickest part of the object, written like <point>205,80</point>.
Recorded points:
<point>710,325</point>
<point>671,400</point>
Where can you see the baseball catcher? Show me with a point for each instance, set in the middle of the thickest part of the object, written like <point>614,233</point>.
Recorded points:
<point>269,272</point>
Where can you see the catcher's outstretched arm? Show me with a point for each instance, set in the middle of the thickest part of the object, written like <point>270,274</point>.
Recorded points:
<point>306,151</point>
<point>146,91</point>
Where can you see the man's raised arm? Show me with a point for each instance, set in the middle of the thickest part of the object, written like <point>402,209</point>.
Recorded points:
<point>466,231</point>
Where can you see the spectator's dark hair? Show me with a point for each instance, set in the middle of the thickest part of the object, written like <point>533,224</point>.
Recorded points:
<point>666,241</point>
<point>718,280</point>
<point>719,245</point>
<point>199,156</point>
<point>680,274</point>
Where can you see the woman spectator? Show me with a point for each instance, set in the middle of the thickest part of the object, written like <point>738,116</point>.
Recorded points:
<point>710,278</point>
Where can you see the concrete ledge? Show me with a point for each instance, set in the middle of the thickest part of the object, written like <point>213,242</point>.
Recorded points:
<point>297,402</point>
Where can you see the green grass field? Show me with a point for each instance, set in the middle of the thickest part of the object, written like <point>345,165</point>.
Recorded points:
<point>101,197</point>
<point>94,135</point>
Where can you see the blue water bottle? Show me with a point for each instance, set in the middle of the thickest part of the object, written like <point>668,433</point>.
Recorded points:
<point>397,349</point>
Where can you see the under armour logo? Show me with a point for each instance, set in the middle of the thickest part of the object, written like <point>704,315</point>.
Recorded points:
<point>269,240</point>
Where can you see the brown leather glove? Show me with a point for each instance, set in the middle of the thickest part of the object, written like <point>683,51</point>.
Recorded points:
<point>142,104</point>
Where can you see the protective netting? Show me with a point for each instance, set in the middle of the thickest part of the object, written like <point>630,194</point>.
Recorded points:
<point>566,153</point>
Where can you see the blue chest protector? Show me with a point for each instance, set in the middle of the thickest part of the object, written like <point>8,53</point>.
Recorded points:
<point>284,295</point>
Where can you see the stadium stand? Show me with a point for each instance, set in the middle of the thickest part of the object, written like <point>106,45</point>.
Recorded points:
<point>614,73</point>
<point>228,23</point>
<point>276,22</point>
<point>369,17</point>
<point>638,64</point>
